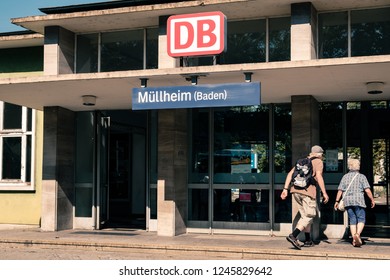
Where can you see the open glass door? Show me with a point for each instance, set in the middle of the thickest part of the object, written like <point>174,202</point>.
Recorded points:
<point>103,136</point>
<point>380,222</point>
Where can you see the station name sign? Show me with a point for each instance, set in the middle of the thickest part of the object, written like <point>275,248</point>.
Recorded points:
<point>219,95</point>
<point>196,34</point>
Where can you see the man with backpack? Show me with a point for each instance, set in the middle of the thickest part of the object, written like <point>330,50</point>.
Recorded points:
<point>303,179</point>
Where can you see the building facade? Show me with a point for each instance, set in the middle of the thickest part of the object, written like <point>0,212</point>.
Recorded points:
<point>99,162</point>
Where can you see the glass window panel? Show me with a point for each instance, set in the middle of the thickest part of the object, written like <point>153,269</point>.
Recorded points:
<point>331,115</point>
<point>328,214</point>
<point>199,149</point>
<point>122,50</point>
<point>198,61</point>
<point>28,158</point>
<point>87,53</point>
<point>282,208</point>
<point>370,32</point>
<point>21,59</point>
<point>241,205</point>
<point>241,153</point>
<point>84,157</point>
<point>283,142</point>
<point>333,35</point>
<point>119,166</point>
<point>245,42</point>
<point>153,203</point>
<point>198,201</point>
<point>279,39</point>
<point>153,115</point>
<point>29,119</point>
<point>353,134</point>
<point>84,147</point>
<point>12,116</point>
<point>378,104</point>
<point>152,48</point>
<point>83,202</point>
<point>379,163</point>
<point>12,157</point>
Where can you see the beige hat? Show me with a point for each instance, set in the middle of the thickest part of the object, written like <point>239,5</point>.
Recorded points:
<point>317,149</point>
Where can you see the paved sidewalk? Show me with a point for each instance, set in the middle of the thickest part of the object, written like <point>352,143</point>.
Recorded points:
<point>210,246</point>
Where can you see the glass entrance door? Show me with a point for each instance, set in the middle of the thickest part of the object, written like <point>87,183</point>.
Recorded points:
<point>103,135</point>
<point>378,218</point>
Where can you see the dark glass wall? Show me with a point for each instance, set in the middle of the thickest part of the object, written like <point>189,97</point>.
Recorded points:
<point>21,60</point>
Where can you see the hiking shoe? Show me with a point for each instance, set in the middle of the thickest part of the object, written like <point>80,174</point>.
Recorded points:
<point>308,243</point>
<point>293,241</point>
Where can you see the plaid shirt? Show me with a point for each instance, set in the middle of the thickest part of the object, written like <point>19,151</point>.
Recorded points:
<point>355,194</point>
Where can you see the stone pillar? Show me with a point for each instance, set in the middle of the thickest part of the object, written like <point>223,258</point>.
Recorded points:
<point>303,31</point>
<point>164,60</point>
<point>305,133</point>
<point>172,172</point>
<point>58,169</point>
<point>58,51</point>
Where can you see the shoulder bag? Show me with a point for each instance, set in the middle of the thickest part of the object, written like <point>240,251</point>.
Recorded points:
<point>341,206</point>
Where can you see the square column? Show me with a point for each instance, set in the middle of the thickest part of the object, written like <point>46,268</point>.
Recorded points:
<point>58,169</point>
<point>172,172</point>
<point>58,51</point>
<point>303,31</point>
<point>305,133</point>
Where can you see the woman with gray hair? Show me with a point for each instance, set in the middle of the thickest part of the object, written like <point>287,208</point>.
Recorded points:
<point>357,184</point>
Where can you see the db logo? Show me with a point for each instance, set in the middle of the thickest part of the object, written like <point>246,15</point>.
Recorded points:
<point>196,34</point>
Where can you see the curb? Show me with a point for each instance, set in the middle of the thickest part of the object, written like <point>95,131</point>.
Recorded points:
<point>232,252</point>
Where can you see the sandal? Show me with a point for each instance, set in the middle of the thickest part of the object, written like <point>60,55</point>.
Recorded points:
<point>357,242</point>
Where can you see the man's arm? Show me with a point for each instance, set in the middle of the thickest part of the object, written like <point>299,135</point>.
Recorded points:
<point>284,194</point>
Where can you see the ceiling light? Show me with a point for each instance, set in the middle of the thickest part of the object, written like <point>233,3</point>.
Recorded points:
<point>374,87</point>
<point>248,77</point>
<point>89,100</point>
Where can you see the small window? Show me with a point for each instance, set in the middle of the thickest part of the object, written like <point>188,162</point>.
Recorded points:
<point>333,35</point>
<point>370,31</point>
<point>246,42</point>
<point>16,147</point>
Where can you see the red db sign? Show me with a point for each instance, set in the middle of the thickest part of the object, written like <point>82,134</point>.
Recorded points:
<point>196,34</point>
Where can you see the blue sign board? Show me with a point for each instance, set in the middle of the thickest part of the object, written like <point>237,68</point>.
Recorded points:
<point>220,95</point>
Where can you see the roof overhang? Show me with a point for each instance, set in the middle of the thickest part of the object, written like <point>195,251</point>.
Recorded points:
<point>148,15</point>
<point>342,79</point>
<point>21,40</point>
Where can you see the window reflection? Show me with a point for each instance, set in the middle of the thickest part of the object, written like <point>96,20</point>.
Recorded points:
<point>279,39</point>
<point>333,35</point>
<point>245,42</point>
<point>198,204</point>
<point>12,116</point>
<point>282,208</point>
<point>199,152</point>
<point>241,148</point>
<point>122,50</point>
<point>370,32</point>
<point>331,115</point>
<point>87,53</point>
<point>282,145</point>
<point>241,205</point>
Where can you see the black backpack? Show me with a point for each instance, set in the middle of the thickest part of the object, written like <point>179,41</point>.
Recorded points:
<point>302,177</point>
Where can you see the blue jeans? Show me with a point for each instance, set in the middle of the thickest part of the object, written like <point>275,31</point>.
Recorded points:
<point>356,214</point>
